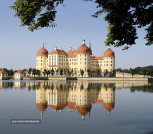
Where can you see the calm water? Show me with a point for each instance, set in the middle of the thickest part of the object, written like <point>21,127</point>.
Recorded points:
<point>76,107</point>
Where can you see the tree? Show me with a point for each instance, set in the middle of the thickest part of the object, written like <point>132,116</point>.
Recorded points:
<point>34,72</point>
<point>10,72</point>
<point>47,72</point>
<point>123,17</point>
<point>52,72</point>
<point>106,72</point>
<point>89,72</point>
<point>61,72</point>
<point>38,72</point>
<point>143,71</point>
<point>82,72</point>
<point>98,72</point>
<point>114,73</point>
<point>149,72</point>
<point>44,72</point>
<point>57,72</point>
<point>69,72</point>
<point>30,71</point>
<point>132,71</point>
<point>36,13</point>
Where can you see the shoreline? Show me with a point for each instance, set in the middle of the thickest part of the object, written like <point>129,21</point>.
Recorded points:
<point>103,79</point>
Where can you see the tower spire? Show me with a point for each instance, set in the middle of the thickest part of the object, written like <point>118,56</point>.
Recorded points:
<point>83,42</point>
<point>108,113</point>
<point>90,47</point>
<point>109,47</point>
<point>42,45</point>
<point>41,115</point>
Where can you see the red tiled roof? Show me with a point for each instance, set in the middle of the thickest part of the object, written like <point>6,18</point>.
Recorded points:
<point>72,54</point>
<point>42,52</point>
<point>3,72</point>
<point>99,58</point>
<point>58,51</point>
<point>109,53</point>
<point>93,58</point>
<point>20,72</point>
<point>83,50</point>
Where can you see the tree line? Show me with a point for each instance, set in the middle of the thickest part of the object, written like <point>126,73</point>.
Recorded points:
<point>147,70</point>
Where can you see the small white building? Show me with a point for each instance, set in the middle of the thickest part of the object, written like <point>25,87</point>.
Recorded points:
<point>3,75</point>
<point>19,75</point>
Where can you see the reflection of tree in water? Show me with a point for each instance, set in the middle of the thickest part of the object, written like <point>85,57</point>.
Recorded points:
<point>70,85</point>
<point>81,87</point>
<point>147,88</point>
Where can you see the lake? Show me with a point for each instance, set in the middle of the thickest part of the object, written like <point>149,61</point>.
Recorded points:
<point>76,107</point>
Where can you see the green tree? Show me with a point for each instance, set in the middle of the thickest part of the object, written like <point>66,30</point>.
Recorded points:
<point>89,72</point>
<point>82,72</point>
<point>149,72</point>
<point>29,71</point>
<point>61,72</point>
<point>48,72</point>
<point>114,73</point>
<point>34,72</point>
<point>44,72</point>
<point>57,72</point>
<point>132,71</point>
<point>52,72</point>
<point>98,72</point>
<point>106,72</point>
<point>36,13</point>
<point>38,72</point>
<point>123,16</point>
<point>11,72</point>
<point>69,72</point>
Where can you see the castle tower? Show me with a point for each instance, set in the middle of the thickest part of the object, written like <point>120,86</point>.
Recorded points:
<point>108,99</point>
<point>42,55</point>
<point>83,56</point>
<point>109,60</point>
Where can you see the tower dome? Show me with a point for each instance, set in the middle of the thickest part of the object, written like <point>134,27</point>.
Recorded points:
<point>41,106</point>
<point>109,53</point>
<point>42,51</point>
<point>83,49</point>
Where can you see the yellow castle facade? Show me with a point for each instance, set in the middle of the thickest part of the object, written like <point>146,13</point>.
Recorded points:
<point>76,60</point>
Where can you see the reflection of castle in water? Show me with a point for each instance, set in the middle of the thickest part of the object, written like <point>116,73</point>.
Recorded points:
<point>76,96</point>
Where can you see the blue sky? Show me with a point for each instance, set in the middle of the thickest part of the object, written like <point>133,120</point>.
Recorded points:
<point>18,46</point>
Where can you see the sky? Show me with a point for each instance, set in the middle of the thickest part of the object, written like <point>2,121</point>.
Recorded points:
<point>18,46</point>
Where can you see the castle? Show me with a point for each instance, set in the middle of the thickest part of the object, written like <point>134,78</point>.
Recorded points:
<point>75,60</point>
